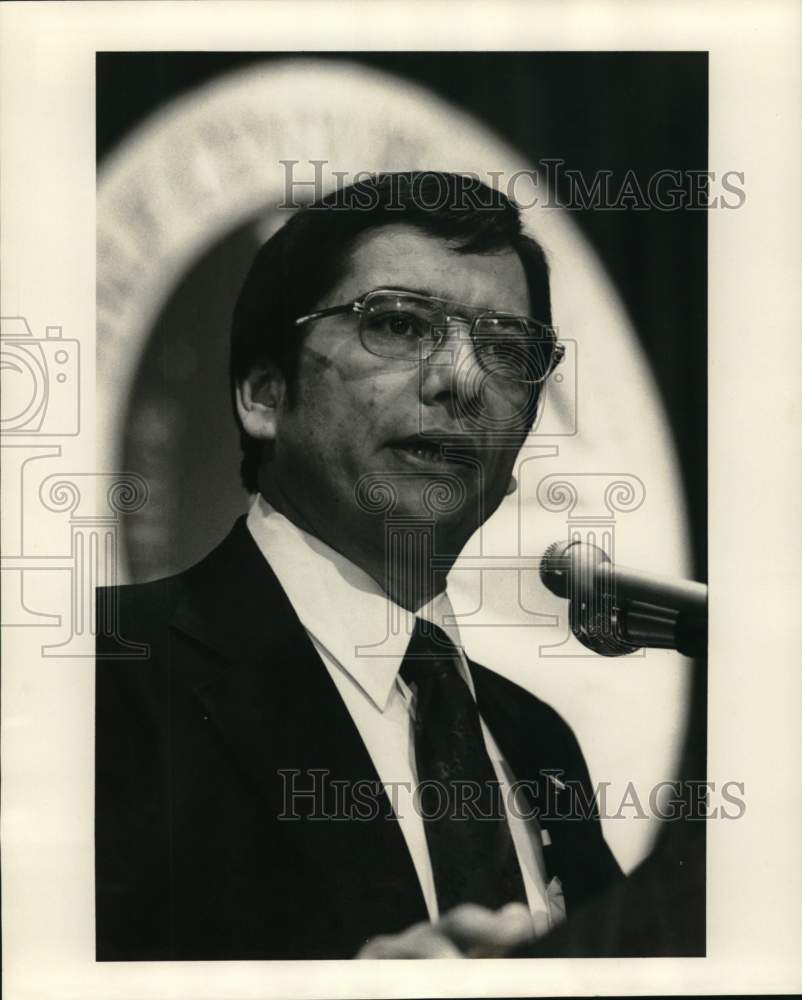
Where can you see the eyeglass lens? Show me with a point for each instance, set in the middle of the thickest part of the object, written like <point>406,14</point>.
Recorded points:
<point>410,327</point>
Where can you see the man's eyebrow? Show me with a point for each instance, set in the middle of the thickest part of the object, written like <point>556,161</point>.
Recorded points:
<point>426,290</point>
<point>420,290</point>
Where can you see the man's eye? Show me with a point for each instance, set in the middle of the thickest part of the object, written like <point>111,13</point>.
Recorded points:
<point>501,347</point>
<point>494,348</point>
<point>400,324</point>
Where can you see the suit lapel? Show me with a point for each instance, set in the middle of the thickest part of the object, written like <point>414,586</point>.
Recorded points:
<point>532,746</point>
<point>507,719</point>
<point>260,682</point>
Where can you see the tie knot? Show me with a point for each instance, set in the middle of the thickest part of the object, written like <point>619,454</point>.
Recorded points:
<point>430,653</point>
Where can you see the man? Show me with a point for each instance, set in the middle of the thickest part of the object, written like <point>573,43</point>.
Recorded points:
<point>308,765</point>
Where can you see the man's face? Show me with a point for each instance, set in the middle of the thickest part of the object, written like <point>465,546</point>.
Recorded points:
<point>355,415</point>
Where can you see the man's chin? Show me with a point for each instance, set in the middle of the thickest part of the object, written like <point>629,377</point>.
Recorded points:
<point>442,507</point>
<point>444,497</point>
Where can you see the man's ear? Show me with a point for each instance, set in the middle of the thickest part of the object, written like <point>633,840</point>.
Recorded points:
<point>259,400</point>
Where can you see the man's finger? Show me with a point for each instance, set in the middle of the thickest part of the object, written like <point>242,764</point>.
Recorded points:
<point>420,941</point>
<point>483,933</point>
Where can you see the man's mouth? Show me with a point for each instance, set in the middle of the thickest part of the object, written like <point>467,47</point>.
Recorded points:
<point>432,454</point>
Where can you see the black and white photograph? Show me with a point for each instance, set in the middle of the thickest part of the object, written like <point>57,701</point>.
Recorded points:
<point>261,731</point>
<point>369,477</point>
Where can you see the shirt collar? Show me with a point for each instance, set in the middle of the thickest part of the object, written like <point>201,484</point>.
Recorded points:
<point>340,605</point>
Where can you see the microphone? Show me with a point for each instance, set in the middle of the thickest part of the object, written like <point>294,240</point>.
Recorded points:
<point>615,610</point>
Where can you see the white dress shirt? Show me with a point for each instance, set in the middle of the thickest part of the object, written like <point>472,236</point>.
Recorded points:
<point>362,636</point>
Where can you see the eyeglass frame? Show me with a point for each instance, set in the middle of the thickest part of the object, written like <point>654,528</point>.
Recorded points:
<point>357,306</point>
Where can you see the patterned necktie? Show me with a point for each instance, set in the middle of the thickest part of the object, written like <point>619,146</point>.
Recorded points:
<point>470,847</point>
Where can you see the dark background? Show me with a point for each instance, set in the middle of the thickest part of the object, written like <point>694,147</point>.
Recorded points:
<point>596,111</point>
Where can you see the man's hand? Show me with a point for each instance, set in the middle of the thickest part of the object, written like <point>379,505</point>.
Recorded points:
<point>467,931</point>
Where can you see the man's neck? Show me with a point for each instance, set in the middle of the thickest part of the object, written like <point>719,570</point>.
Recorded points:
<point>400,564</point>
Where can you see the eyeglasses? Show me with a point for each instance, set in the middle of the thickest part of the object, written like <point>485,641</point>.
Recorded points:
<point>407,326</point>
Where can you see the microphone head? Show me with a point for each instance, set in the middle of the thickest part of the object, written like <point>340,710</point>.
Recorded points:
<point>555,568</point>
<point>582,573</point>
<point>562,560</point>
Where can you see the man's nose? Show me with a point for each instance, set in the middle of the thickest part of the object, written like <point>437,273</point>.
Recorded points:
<point>452,370</point>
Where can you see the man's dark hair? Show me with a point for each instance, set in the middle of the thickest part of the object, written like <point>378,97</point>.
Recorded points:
<point>301,262</point>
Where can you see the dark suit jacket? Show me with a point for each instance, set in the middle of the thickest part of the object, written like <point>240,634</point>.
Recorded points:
<point>192,859</point>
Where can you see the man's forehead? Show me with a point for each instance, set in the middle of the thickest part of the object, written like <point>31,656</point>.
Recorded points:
<point>404,257</point>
